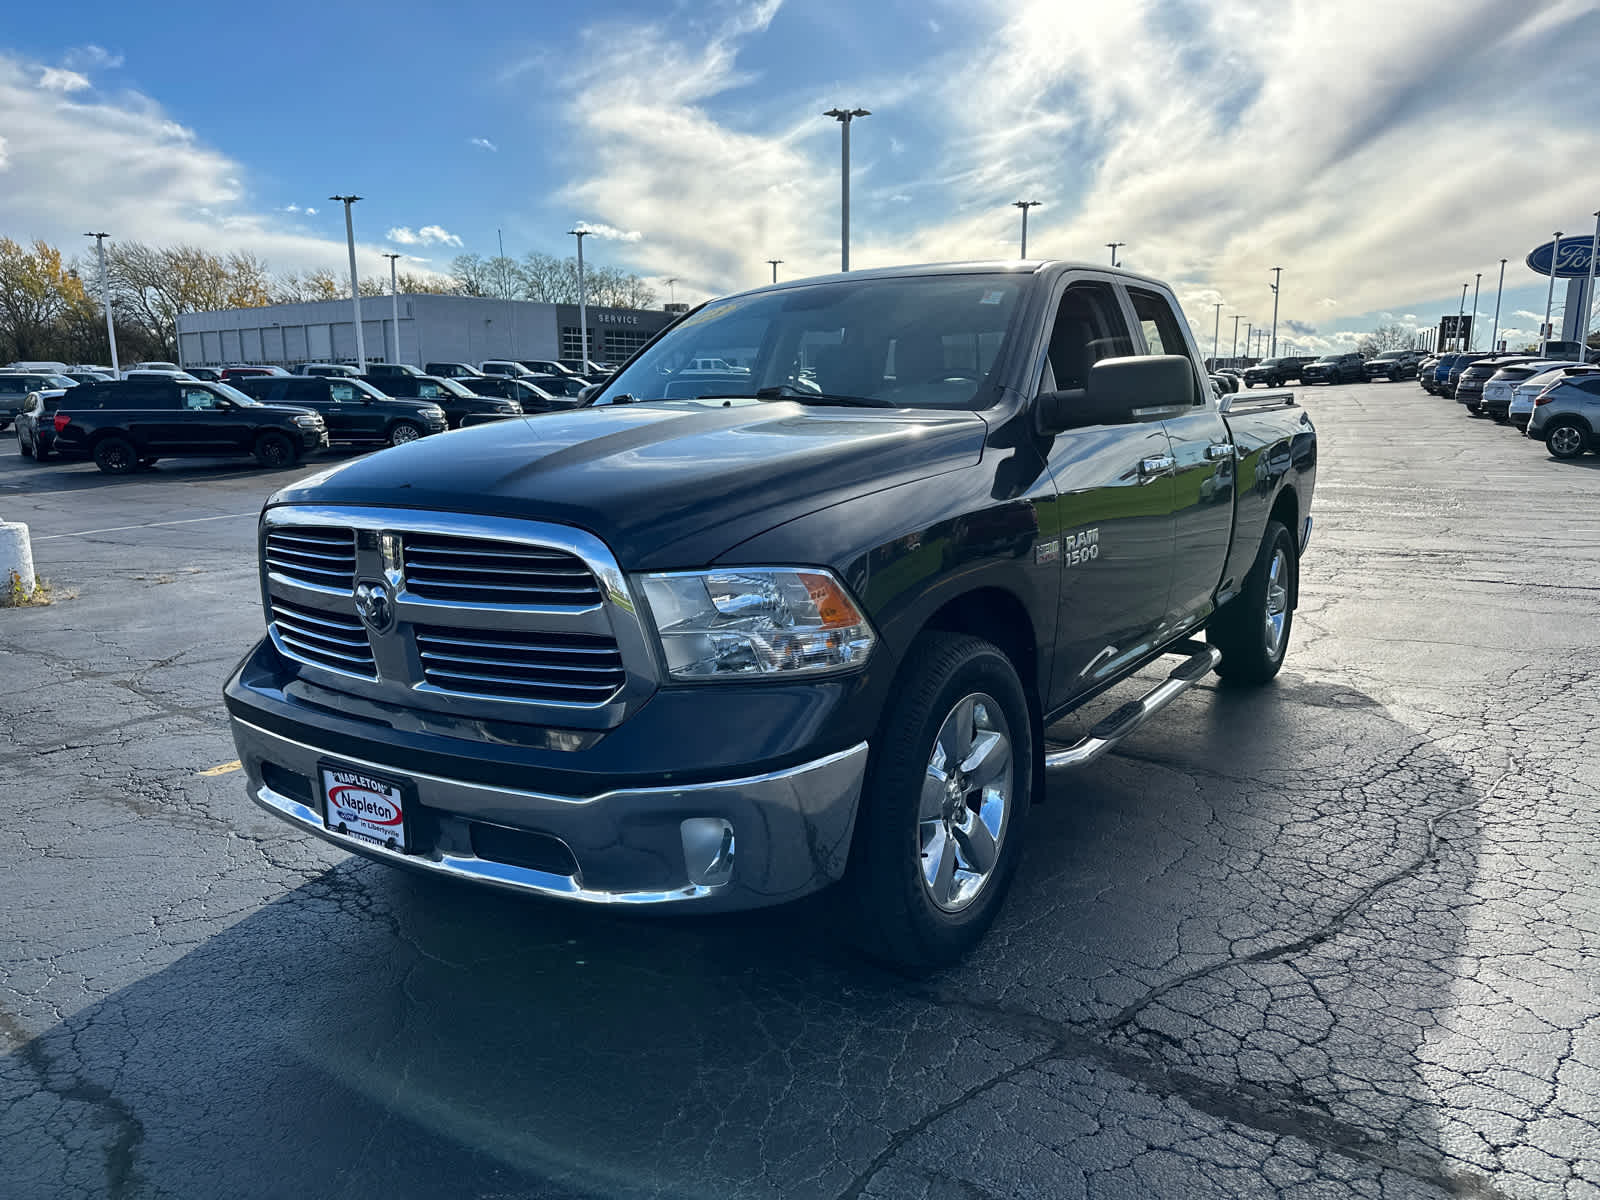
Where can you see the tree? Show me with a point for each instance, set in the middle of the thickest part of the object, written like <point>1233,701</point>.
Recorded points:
<point>554,280</point>
<point>471,275</point>
<point>152,286</point>
<point>292,288</point>
<point>39,297</point>
<point>1385,337</point>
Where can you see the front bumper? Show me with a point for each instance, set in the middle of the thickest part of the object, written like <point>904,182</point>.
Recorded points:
<point>474,813</point>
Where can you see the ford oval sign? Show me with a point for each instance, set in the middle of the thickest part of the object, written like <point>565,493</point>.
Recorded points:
<point>1574,262</point>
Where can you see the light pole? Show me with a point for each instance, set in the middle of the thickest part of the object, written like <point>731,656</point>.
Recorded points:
<point>1550,296</point>
<point>1249,332</point>
<point>774,262</point>
<point>1024,205</point>
<point>844,116</point>
<point>1461,311</point>
<point>1472,337</point>
<point>1216,331</point>
<point>505,292</point>
<point>355,288</point>
<point>1277,278</point>
<point>105,299</point>
<point>672,290</point>
<point>1236,319</point>
<point>394,302</point>
<point>1594,253</point>
<point>1114,247</point>
<point>583,304</point>
<point>1494,337</point>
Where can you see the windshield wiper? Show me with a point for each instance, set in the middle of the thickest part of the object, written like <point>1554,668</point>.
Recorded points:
<point>787,391</point>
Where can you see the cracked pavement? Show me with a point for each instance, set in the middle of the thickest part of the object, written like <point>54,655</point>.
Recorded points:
<point>1335,937</point>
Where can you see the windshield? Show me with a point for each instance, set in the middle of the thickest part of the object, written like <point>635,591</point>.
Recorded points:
<point>1329,358</point>
<point>61,381</point>
<point>915,342</point>
<point>234,394</point>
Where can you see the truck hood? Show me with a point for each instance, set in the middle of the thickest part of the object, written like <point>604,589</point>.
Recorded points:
<point>666,484</point>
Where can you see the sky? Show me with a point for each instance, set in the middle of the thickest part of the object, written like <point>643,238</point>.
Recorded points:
<point>1381,151</point>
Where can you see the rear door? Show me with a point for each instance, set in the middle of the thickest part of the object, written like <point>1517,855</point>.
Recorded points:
<point>1203,471</point>
<point>1110,522</point>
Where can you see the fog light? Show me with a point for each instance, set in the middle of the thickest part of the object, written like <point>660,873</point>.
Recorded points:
<point>708,850</point>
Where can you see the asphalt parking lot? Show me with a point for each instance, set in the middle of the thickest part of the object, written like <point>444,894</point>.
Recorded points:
<point>1340,936</point>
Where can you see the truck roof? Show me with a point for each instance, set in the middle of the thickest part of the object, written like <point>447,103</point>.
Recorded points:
<point>1015,266</point>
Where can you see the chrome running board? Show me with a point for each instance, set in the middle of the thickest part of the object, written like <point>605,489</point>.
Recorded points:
<point>1201,660</point>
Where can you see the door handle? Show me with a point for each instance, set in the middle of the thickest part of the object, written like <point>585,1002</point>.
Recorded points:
<point>1151,469</point>
<point>1219,450</point>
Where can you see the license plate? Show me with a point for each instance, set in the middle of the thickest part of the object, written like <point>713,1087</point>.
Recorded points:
<point>364,807</point>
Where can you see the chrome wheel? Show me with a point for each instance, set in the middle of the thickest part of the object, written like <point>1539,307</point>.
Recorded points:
<point>1566,441</point>
<point>404,432</point>
<point>966,802</point>
<point>1277,601</point>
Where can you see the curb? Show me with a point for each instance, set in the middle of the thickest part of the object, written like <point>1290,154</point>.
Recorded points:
<point>16,555</point>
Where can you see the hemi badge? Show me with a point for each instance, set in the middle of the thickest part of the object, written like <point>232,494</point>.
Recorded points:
<point>1047,552</point>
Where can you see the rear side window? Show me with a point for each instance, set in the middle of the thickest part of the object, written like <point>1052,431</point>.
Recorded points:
<point>148,396</point>
<point>1162,334</point>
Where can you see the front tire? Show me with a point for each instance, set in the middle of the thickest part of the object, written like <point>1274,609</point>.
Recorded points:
<point>402,432</point>
<point>1565,440</point>
<point>1252,630</point>
<point>115,456</point>
<point>945,806</point>
<point>274,451</point>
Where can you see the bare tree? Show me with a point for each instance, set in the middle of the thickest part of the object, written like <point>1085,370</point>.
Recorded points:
<point>151,286</point>
<point>471,275</point>
<point>1385,337</point>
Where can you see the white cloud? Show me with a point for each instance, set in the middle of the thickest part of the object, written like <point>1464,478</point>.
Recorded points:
<point>608,233</point>
<point>58,79</point>
<point>482,143</point>
<point>1529,316</point>
<point>291,208</point>
<point>3,157</point>
<point>90,58</point>
<point>311,212</point>
<point>428,235</point>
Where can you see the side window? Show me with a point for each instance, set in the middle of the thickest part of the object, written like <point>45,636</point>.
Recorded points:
<point>199,400</point>
<point>1162,333</point>
<point>150,397</point>
<point>429,390</point>
<point>341,393</point>
<point>1088,327</point>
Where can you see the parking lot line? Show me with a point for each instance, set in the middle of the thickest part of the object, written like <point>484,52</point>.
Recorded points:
<point>148,525</point>
<point>227,768</point>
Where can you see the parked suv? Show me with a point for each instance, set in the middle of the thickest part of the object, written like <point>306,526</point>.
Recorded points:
<point>503,366</point>
<point>356,412</point>
<point>532,397</point>
<point>450,370</point>
<point>1566,416</point>
<point>16,385</point>
<point>233,374</point>
<point>133,423</point>
<point>1469,381</point>
<point>461,405</point>
<point>375,370</point>
<point>1275,372</point>
<point>1334,368</point>
<point>1447,384</point>
<point>1393,365</point>
<point>1524,393</point>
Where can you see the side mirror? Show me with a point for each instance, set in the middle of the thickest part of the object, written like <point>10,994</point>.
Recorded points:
<point>588,393</point>
<point>1120,391</point>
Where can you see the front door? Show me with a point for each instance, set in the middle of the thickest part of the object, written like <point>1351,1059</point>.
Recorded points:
<point>1110,522</point>
<point>1203,474</point>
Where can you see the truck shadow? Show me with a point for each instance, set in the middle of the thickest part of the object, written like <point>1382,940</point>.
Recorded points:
<point>1252,910</point>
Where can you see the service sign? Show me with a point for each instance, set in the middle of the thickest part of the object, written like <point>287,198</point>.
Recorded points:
<point>1574,261</point>
<point>360,806</point>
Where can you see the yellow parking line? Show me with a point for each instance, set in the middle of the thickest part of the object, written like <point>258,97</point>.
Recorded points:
<point>226,768</point>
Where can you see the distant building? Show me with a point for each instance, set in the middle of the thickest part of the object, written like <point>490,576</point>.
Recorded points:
<point>431,329</point>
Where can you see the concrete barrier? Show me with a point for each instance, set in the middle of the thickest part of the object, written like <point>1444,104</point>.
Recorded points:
<point>16,555</point>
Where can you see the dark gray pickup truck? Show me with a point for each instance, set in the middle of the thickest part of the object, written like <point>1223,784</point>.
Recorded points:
<point>732,635</point>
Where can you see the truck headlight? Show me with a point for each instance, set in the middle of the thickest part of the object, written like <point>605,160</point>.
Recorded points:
<point>745,622</point>
<point>308,421</point>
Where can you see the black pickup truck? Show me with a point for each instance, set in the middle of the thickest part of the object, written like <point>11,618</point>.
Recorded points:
<point>126,424</point>
<point>718,642</point>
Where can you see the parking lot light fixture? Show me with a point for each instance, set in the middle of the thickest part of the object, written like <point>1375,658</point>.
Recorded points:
<point>1550,296</point>
<point>394,302</point>
<point>1235,354</point>
<point>774,263</point>
<point>1494,333</point>
<point>1460,312</point>
<point>1024,205</point>
<point>105,299</point>
<point>355,286</point>
<point>583,303</point>
<point>1114,247</point>
<point>672,290</point>
<point>845,116</point>
<point>1277,278</point>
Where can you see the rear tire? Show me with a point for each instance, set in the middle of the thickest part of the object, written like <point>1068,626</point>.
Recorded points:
<point>274,451</point>
<point>947,794</point>
<point>1565,440</point>
<point>115,456</point>
<point>1252,630</point>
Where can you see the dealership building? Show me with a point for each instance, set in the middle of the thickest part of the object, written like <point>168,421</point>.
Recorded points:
<point>430,329</point>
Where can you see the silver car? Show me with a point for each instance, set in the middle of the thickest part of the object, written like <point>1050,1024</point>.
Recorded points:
<point>1566,416</point>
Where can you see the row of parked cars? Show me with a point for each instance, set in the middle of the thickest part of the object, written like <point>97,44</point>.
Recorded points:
<point>1393,365</point>
<point>1553,399</point>
<point>274,415</point>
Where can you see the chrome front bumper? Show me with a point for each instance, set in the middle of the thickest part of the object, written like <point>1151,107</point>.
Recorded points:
<point>728,844</point>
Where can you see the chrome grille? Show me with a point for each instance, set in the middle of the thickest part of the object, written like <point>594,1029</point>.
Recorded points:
<point>327,639</point>
<point>480,571</point>
<point>318,555</point>
<point>552,667</point>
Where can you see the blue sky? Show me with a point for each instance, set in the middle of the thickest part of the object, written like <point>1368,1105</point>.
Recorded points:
<point>1381,152</point>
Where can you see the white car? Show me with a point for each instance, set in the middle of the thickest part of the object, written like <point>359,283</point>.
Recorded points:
<point>153,368</point>
<point>1524,390</point>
